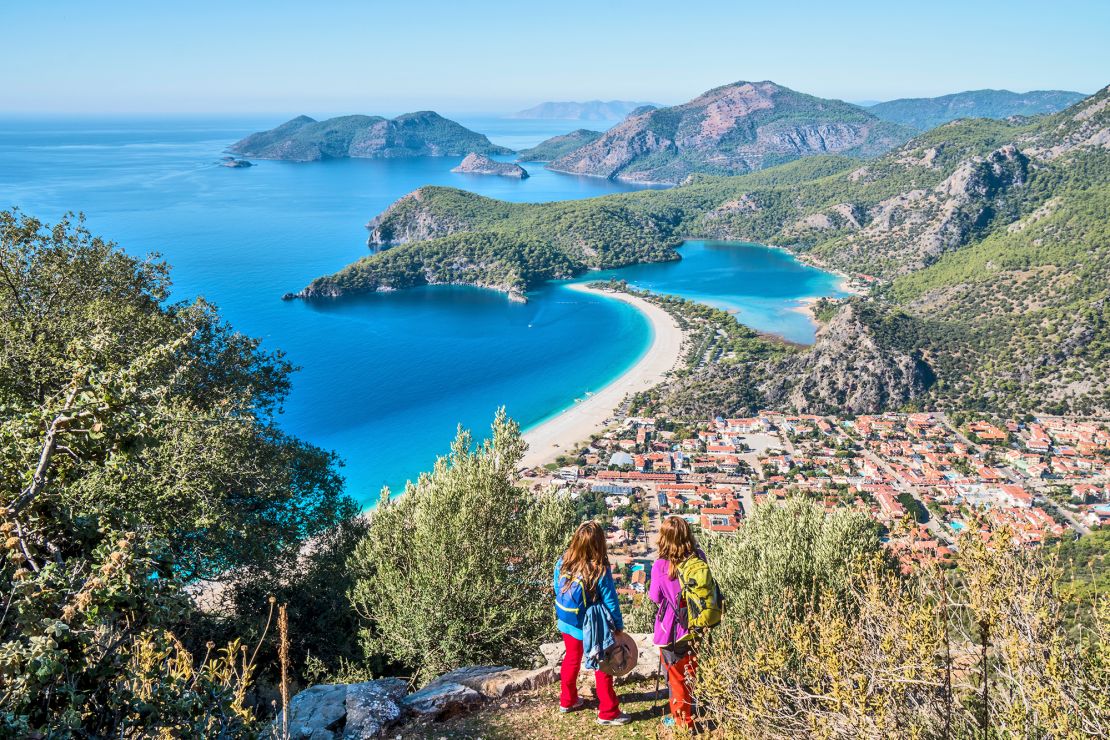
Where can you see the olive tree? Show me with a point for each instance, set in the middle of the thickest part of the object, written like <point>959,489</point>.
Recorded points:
<point>458,569</point>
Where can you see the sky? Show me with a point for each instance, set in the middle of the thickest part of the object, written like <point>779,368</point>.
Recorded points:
<point>325,58</point>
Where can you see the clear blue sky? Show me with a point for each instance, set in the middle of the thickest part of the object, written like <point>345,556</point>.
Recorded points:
<point>321,57</point>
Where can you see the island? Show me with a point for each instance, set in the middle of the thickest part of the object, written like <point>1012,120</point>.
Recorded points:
<point>480,164</point>
<point>557,146</point>
<point>235,164</point>
<point>421,134</point>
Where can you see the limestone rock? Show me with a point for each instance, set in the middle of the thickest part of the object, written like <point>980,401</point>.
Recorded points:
<point>345,711</point>
<point>480,164</point>
<point>439,699</point>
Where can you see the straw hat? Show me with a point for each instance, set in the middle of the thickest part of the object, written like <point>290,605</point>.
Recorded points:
<point>622,657</point>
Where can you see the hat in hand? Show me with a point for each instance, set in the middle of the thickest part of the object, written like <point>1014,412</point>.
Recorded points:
<point>622,657</point>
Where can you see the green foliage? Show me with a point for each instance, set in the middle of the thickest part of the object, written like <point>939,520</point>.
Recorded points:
<point>785,559</point>
<point>557,146</point>
<point>138,453</point>
<point>927,113</point>
<point>457,571</point>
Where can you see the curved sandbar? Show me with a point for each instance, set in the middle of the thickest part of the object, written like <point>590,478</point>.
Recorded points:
<point>558,434</point>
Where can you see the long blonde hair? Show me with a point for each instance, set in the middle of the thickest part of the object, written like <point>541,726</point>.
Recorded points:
<point>587,558</point>
<point>676,543</point>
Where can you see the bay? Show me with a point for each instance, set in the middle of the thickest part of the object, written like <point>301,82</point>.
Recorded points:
<point>384,379</point>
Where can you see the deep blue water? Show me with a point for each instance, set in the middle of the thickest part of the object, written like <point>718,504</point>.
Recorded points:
<point>384,379</point>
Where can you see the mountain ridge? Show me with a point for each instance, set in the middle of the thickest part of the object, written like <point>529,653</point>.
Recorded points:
<point>730,130</point>
<point>926,113</point>
<point>590,110</point>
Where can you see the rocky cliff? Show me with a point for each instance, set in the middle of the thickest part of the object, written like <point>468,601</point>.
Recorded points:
<point>856,366</point>
<point>480,164</point>
<point>730,130</point>
<point>422,134</point>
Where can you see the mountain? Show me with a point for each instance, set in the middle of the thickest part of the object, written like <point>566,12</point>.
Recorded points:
<point>731,130</point>
<point>423,134</point>
<point>593,110</point>
<point>557,146</point>
<point>985,243</point>
<point>926,113</point>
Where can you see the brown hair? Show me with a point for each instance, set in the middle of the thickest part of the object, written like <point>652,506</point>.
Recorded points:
<point>586,559</point>
<point>676,543</point>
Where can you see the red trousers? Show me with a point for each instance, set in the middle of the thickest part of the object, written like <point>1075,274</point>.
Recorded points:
<point>680,677</point>
<point>608,706</point>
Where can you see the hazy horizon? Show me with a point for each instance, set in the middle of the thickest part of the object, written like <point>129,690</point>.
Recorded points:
<point>276,58</point>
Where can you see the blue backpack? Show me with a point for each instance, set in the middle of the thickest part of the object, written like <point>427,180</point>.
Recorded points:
<point>570,603</point>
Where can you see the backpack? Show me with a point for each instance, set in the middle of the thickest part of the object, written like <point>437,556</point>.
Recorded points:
<point>700,592</point>
<point>570,603</point>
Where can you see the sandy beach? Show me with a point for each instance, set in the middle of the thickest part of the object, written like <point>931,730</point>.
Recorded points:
<point>576,424</point>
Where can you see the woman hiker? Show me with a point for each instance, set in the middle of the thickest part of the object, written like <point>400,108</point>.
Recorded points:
<point>675,618</point>
<point>583,579</point>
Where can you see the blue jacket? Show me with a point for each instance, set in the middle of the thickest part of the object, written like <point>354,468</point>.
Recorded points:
<point>606,593</point>
<point>597,636</point>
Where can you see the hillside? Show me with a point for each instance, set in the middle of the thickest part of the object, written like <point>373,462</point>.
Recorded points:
<point>730,130</point>
<point>423,134</point>
<point>557,146</point>
<point>593,110</point>
<point>938,224</point>
<point>926,113</point>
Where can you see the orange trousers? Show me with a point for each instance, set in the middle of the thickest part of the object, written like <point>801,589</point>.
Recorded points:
<point>680,678</point>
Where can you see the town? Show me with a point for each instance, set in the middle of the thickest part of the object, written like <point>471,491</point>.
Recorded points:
<point>925,478</point>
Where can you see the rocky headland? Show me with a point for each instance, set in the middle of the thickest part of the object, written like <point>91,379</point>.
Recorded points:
<point>480,164</point>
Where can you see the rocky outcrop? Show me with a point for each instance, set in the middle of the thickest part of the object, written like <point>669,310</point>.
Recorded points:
<point>861,363</point>
<point>371,708</point>
<point>422,134</point>
<point>345,711</point>
<point>480,164</point>
<point>732,129</point>
<point>233,163</point>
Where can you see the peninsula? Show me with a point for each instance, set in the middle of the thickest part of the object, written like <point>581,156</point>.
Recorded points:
<point>480,164</point>
<point>557,146</point>
<point>422,134</point>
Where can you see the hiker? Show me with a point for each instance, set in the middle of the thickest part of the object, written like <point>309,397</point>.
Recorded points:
<point>689,603</point>
<point>589,616</point>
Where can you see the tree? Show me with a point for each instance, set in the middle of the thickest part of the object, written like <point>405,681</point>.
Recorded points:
<point>138,452</point>
<point>458,569</point>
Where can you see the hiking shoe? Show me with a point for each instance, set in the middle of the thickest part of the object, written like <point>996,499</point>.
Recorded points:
<point>577,705</point>
<point>620,719</point>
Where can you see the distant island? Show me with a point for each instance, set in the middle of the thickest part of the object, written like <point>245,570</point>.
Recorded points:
<point>731,130</point>
<point>422,134</point>
<point>480,164</point>
<point>235,164</point>
<point>926,113</point>
<point>557,146</point>
<point>592,110</point>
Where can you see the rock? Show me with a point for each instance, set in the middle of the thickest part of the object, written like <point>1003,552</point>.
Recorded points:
<point>496,682</point>
<point>480,164</point>
<point>235,163</point>
<point>348,711</point>
<point>437,700</point>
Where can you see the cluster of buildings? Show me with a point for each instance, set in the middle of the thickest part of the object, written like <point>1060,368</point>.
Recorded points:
<point>924,478</point>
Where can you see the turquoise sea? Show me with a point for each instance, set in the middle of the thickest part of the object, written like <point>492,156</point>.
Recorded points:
<point>385,379</point>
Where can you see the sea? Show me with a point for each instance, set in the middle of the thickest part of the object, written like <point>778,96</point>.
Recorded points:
<point>384,380</point>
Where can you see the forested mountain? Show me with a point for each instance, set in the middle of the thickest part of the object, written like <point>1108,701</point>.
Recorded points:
<point>986,242</point>
<point>731,130</point>
<point>557,146</point>
<point>423,134</point>
<point>926,113</point>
